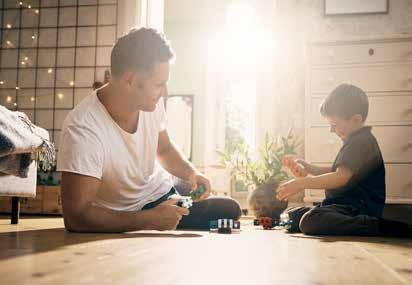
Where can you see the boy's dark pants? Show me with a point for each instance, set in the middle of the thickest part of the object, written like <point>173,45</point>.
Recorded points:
<point>332,219</point>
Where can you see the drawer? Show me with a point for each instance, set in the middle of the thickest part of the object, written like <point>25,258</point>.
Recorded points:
<point>395,143</point>
<point>383,110</point>
<point>371,78</point>
<point>52,200</point>
<point>398,185</point>
<point>32,205</point>
<point>5,204</point>
<point>313,195</point>
<point>361,53</point>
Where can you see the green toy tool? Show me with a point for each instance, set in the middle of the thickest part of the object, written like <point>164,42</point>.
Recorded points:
<point>196,194</point>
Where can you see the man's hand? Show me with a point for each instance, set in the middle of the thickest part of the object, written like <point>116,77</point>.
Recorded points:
<point>288,189</point>
<point>197,178</point>
<point>296,166</point>
<point>168,215</point>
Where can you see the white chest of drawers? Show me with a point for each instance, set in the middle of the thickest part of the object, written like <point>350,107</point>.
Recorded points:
<point>382,67</point>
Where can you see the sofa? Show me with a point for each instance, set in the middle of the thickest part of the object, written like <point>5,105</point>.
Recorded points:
<point>22,146</point>
<point>17,187</point>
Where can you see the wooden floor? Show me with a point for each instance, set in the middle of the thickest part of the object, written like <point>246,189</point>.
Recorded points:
<point>40,251</point>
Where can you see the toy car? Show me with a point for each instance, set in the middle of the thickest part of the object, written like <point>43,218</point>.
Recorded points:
<point>185,202</point>
<point>224,226</point>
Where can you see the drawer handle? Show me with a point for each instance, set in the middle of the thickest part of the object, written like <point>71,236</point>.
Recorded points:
<point>371,51</point>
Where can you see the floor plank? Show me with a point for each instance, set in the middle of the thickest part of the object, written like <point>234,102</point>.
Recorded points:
<point>40,251</point>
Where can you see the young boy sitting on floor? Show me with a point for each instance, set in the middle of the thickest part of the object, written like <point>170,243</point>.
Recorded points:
<point>355,183</point>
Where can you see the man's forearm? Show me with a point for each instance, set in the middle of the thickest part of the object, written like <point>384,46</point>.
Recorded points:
<point>100,219</point>
<point>175,163</point>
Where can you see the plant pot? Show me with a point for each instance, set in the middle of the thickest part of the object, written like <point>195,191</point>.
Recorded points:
<point>263,202</point>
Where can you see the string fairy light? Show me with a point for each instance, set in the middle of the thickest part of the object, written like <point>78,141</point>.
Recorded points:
<point>25,61</point>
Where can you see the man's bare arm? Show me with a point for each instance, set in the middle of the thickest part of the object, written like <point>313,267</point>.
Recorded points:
<point>175,163</point>
<point>82,215</point>
<point>172,159</point>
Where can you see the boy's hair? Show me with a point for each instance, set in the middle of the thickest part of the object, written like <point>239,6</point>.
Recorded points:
<point>344,102</point>
<point>139,50</point>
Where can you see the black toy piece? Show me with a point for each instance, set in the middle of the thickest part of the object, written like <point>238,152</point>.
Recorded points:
<point>224,230</point>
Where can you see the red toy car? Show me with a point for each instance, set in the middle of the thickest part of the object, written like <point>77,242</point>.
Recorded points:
<point>267,223</point>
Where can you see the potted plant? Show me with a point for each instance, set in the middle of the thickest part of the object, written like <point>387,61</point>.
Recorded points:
<point>49,177</point>
<point>262,175</point>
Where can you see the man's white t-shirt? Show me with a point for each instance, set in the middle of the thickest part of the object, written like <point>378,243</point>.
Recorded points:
<point>92,144</point>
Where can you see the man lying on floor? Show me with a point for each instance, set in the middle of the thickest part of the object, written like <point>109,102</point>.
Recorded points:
<point>115,153</point>
<point>355,183</point>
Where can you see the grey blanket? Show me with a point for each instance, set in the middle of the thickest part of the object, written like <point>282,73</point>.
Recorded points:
<point>20,142</point>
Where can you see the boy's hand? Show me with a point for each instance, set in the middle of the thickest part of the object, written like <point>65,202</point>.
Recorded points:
<point>288,160</point>
<point>296,166</point>
<point>298,170</point>
<point>288,189</point>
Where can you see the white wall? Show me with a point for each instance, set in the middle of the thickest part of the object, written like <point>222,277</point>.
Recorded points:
<point>188,29</point>
<point>296,22</point>
<point>188,24</point>
<point>187,75</point>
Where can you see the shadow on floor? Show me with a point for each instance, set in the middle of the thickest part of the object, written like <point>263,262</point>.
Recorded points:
<point>407,242</point>
<point>19,243</point>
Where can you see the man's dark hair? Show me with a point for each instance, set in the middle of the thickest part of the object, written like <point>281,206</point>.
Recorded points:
<point>344,102</point>
<point>139,50</point>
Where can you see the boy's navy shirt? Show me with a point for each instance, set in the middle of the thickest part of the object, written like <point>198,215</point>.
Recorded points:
<point>366,189</point>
